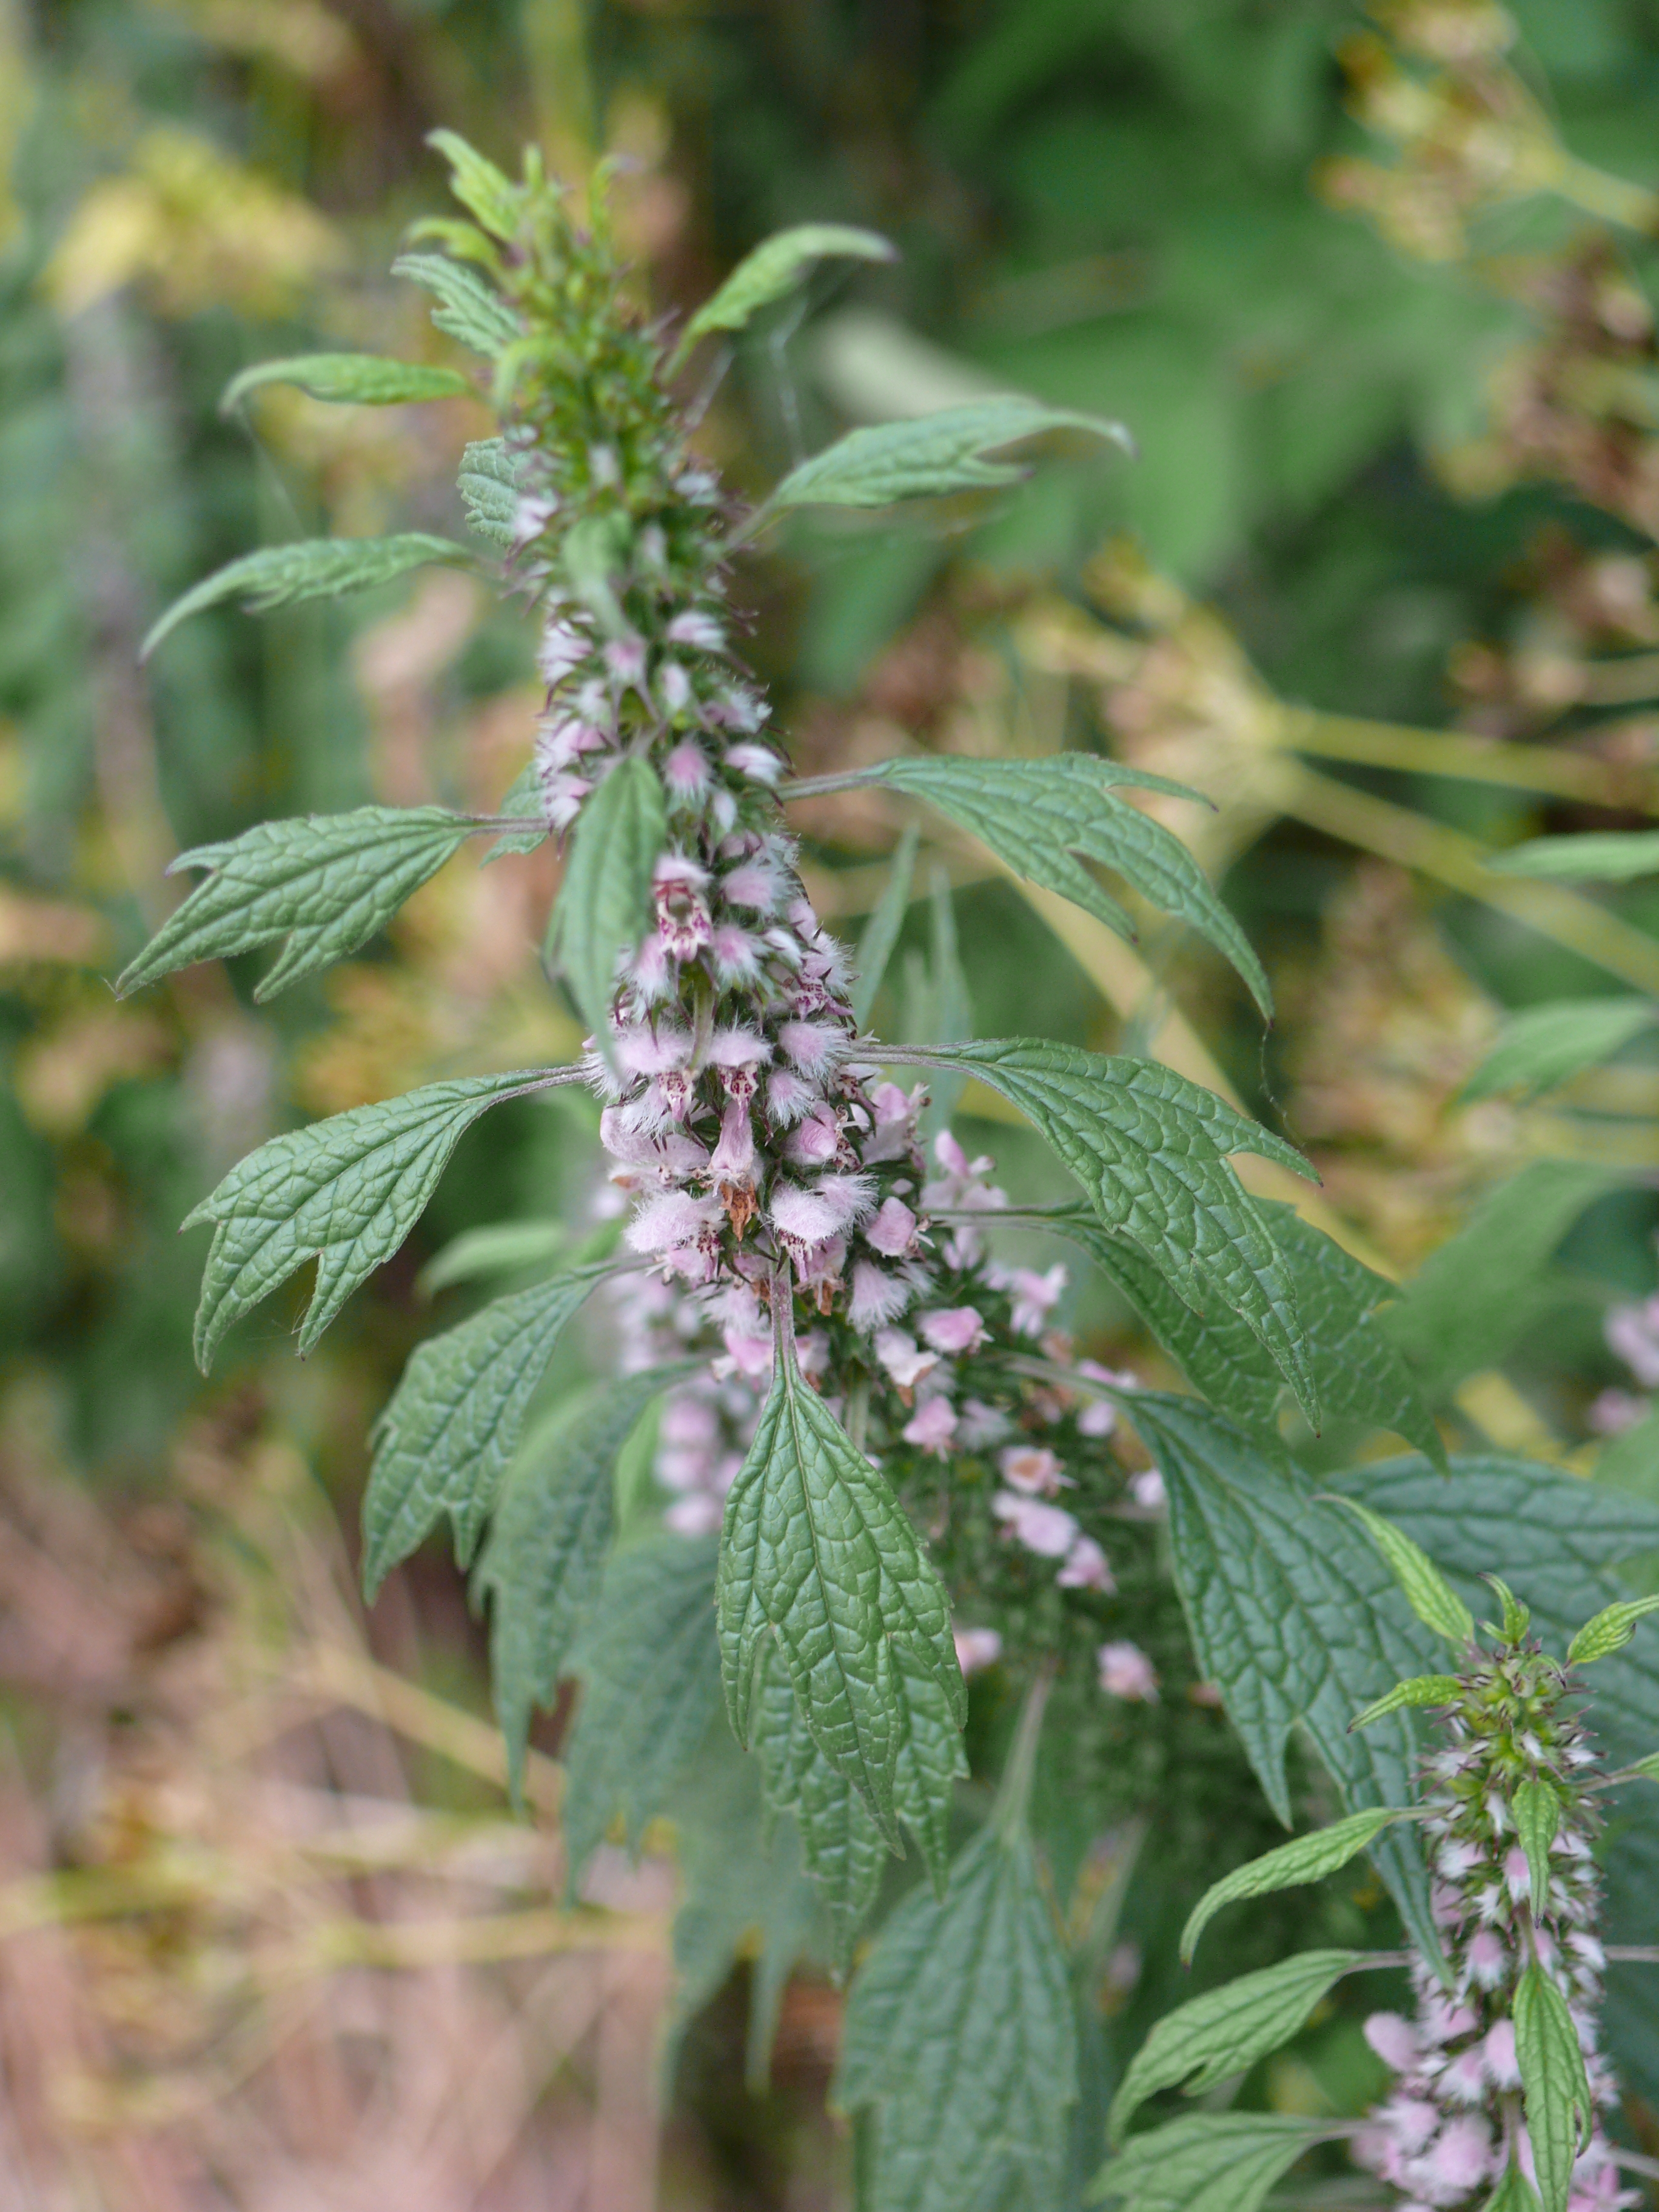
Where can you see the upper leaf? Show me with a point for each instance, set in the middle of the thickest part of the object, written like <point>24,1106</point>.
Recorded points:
<point>310,569</point>
<point>604,907</point>
<point>1419,1690</point>
<point>960,2033</point>
<point>1149,1148</point>
<point>1357,1370</point>
<point>1207,2162</point>
<point>818,1549</point>
<point>547,1546</point>
<point>1304,1859</point>
<point>1428,1593</point>
<point>1606,856</point>
<point>1040,814</point>
<point>489,483</point>
<point>363,378</point>
<point>326,882</point>
<point>1226,2030</point>
<point>471,310</point>
<point>1544,1045</point>
<point>1555,2092</point>
<point>1295,1619</point>
<point>448,1436</point>
<point>481,189</point>
<point>651,1677</point>
<point>1609,1632</point>
<point>929,454</point>
<point>774,268</point>
<point>344,1192</point>
<point>1537,1809</point>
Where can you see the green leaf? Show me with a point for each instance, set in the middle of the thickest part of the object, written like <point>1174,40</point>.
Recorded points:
<point>1226,2030</point>
<point>361,379</point>
<point>1428,1593</point>
<point>1514,2193</point>
<point>1357,1370</point>
<point>1149,1149</point>
<point>1207,2162</point>
<point>523,797</point>
<point>1537,1809</point>
<point>817,1548</point>
<point>471,310</point>
<point>344,1192</point>
<point>1545,1045</point>
<point>501,1249</point>
<point>881,932</point>
<point>1555,2094</point>
<point>961,2039</point>
<point>1421,1690</point>
<point>445,1440</point>
<point>494,200</point>
<point>1304,1859</point>
<point>774,270</point>
<point>924,456</point>
<point>937,1007</point>
<point>1040,815</point>
<point>547,1545</point>
<point>1642,1770</point>
<point>651,1676</point>
<point>842,1848</point>
<point>1608,856</point>
<point>325,883</point>
<point>1476,1296</point>
<point>488,484</point>
<point>603,907</point>
<point>1296,1619</point>
<point>310,569</point>
<point>1516,1617</point>
<point>1609,1632</point>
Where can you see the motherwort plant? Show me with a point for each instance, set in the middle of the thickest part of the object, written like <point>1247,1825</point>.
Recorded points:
<point>910,1473</point>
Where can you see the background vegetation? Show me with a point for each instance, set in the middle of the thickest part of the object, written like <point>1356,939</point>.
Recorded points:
<point>1381,317</point>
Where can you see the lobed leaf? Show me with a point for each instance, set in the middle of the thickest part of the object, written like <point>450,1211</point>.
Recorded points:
<point>1304,1859</point>
<point>650,1671</point>
<point>1421,1690</point>
<point>481,189</point>
<point>470,309</point>
<point>1555,2094</point>
<point>1358,1371</point>
<point>1609,1632</point>
<point>841,1849</point>
<point>344,1192</point>
<point>1427,1592</point>
<point>488,485</point>
<point>1294,1618</point>
<point>310,569</point>
<point>961,2040</point>
<point>1606,856</point>
<point>361,379</point>
<point>324,884</point>
<point>1207,2162</point>
<point>817,1550</point>
<point>925,456</point>
<point>1544,1045</point>
<point>547,1547</point>
<point>1040,816</point>
<point>1537,1809</point>
<point>1149,1148</point>
<point>604,907</point>
<point>445,1440</point>
<point>1226,2030</point>
<point>773,268</point>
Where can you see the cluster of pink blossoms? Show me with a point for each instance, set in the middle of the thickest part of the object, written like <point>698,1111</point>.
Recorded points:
<point>1451,2125</point>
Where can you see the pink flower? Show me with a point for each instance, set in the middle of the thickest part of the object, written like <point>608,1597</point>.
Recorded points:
<point>977,1648</point>
<point>1499,2050</point>
<point>1148,1490</point>
<point>980,1424</point>
<point>903,1358</point>
<point>878,1297</point>
<point>812,1047</point>
<point>674,686</point>
<point>1087,1567</point>
<point>1127,1672</point>
<point>1048,1530</point>
<point>758,763</point>
<point>562,648</point>
<point>1036,1297</point>
<point>816,1139</point>
<point>1394,2040</point>
<point>696,1514</point>
<point>685,771</point>
<point>1633,1332</point>
<point>671,1220</point>
<point>894,1229</point>
<point>801,1215</point>
<point>1034,1469</point>
<point>1488,1959</point>
<point>953,1329</point>
<point>1460,2160</point>
<point>695,629</point>
<point>933,1426</point>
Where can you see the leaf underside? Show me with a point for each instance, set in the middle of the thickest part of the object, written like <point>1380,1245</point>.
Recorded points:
<point>468,308</point>
<point>311,568</point>
<point>1206,2162</point>
<point>925,456</point>
<point>774,268</point>
<point>358,378</point>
